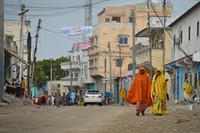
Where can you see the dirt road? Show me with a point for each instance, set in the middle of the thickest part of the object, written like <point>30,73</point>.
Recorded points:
<point>95,119</point>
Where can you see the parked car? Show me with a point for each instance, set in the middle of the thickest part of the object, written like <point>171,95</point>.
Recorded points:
<point>93,97</point>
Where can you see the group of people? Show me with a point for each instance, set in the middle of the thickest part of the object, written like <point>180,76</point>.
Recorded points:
<point>145,93</point>
<point>66,100</point>
<point>17,88</point>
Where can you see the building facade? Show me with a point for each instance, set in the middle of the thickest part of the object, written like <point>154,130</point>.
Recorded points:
<point>12,47</point>
<point>77,70</point>
<point>111,43</point>
<point>185,59</point>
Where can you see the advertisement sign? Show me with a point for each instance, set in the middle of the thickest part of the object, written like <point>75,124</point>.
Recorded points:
<point>76,31</point>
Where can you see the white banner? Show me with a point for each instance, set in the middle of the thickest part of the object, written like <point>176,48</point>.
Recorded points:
<point>76,31</point>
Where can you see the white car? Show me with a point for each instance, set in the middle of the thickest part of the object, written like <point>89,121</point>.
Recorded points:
<point>93,97</point>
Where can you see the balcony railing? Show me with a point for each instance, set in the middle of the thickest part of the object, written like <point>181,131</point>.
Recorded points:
<point>66,65</point>
<point>75,81</point>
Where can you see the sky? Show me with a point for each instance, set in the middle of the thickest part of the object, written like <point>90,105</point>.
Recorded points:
<point>55,14</point>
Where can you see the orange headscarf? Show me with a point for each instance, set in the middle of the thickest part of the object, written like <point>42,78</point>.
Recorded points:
<point>140,89</point>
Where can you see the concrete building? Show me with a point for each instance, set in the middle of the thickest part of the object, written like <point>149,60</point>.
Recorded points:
<point>77,70</point>
<point>185,55</point>
<point>112,40</point>
<point>12,48</point>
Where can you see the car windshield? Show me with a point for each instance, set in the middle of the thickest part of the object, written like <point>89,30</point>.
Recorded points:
<point>93,92</point>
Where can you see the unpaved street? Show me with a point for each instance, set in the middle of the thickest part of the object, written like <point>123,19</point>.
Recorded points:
<point>95,119</point>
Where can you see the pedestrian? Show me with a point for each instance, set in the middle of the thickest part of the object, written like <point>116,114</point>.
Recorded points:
<point>64,99</point>
<point>194,95</point>
<point>73,96</point>
<point>81,100</point>
<point>122,94</point>
<point>187,90</point>
<point>58,96</point>
<point>139,92</point>
<point>18,87</point>
<point>69,97</point>
<point>52,100</point>
<point>159,93</point>
<point>23,86</point>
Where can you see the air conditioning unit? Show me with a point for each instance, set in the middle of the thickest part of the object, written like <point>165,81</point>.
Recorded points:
<point>177,41</point>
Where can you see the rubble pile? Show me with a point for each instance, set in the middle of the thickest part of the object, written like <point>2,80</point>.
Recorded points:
<point>11,100</point>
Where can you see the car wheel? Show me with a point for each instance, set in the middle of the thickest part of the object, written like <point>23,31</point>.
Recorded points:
<point>100,104</point>
<point>85,104</point>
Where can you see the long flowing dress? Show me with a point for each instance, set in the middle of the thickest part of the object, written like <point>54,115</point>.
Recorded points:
<point>139,92</point>
<point>158,93</point>
<point>187,90</point>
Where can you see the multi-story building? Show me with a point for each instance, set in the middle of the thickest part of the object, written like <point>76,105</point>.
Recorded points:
<point>12,47</point>
<point>112,40</point>
<point>185,55</point>
<point>77,70</point>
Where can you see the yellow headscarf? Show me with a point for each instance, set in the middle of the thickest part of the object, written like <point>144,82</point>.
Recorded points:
<point>159,85</point>
<point>188,88</point>
<point>123,93</point>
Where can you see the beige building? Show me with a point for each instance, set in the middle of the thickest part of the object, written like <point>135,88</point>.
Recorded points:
<point>12,47</point>
<point>114,29</point>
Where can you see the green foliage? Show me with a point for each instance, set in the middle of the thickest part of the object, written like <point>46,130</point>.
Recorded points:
<point>43,70</point>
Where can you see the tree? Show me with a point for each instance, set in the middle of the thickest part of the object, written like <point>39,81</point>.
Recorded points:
<point>43,70</point>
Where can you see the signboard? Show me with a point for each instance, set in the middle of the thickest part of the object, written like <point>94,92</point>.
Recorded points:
<point>76,31</point>
<point>196,57</point>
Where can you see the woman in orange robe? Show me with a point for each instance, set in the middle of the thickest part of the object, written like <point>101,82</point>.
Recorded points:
<point>139,92</point>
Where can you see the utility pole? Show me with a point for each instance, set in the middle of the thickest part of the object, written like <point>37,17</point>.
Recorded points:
<point>120,68</point>
<point>51,75</point>
<point>1,48</point>
<point>133,45</point>
<point>105,79</point>
<point>164,29</point>
<point>88,13</point>
<point>34,59</point>
<point>29,62</point>
<point>150,42</point>
<point>70,75</point>
<point>88,16</point>
<point>110,62</point>
<point>23,11</point>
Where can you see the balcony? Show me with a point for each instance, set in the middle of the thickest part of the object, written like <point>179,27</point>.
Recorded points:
<point>75,81</point>
<point>66,65</point>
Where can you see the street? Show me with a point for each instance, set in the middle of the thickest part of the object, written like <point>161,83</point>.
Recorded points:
<point>96,119</point>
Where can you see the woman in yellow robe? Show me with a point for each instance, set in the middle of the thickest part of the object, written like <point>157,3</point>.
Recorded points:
<point>158,93</point>
<point>187,90</point>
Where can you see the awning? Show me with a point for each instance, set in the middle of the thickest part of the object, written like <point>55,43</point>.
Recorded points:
<point>181,60</point>
<point>13,53</point>
<point>147,32</point>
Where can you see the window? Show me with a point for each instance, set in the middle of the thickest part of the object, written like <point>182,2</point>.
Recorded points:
<point>78,57</point>
<point>181,36</point>
<point>174,41</point>
<point>67,74</point>
<point>157,45</point>
<point>8,39</point>
<point>198,28</point>
<point>130,19</point>
<point>189,29</point>
<point>117,19</point>
<point>91,63</point>
<point>76,75</point>
<point>94,40</point>
<point>107,19</point>
<point>123,41</point>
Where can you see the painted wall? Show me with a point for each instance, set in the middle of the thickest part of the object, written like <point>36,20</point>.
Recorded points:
<point>180,81</point>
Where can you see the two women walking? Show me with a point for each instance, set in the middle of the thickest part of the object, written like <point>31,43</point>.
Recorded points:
<point>144,94</point>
